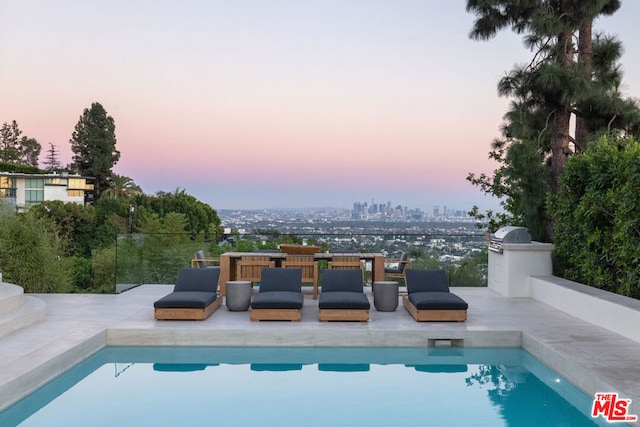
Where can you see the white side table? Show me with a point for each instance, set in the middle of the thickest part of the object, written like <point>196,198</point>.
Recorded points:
<point>238,296</point>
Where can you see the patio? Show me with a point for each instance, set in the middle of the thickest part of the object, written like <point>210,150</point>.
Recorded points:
<point>593,358</point>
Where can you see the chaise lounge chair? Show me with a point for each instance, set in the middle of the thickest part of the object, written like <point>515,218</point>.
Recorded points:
<point>342,297</point>
<point>280,295</point>
<point>428,297</point>
<point>194,296</point>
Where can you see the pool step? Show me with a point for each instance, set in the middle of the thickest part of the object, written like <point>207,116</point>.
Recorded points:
<point>17,310</point>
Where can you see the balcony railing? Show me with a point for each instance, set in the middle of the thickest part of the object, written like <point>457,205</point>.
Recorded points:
<point>157,258</point>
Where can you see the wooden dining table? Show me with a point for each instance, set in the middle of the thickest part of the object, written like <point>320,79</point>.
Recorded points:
<point>228,262</point>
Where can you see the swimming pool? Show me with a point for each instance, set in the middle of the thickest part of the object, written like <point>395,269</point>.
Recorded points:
<point>233,386</point>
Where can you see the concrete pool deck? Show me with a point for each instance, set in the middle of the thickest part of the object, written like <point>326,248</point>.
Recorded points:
<point>76,325</point>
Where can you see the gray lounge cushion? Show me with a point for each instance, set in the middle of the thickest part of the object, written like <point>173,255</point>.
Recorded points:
<point>342,281</point>
<point>197,279</point>
<point>194,288</point>
<point>437,301</point>
<point>426,281</point>
<point>186,299</point>
<point>277,299</point>
<point>281,279</point>
<point>343,289</point>
<point>279,288</point>
<point>343,300</point>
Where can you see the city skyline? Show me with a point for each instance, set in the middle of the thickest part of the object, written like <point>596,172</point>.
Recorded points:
<point>290,104</point>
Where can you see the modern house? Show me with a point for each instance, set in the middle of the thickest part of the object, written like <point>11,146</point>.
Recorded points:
<point>23,190</point>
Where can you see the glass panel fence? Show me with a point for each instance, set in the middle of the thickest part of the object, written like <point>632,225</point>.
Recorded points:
<point>156,258</point>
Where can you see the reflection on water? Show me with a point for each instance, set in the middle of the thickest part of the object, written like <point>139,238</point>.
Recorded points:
<point>305,386</point>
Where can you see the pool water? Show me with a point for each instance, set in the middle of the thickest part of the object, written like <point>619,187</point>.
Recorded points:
<point>207,386</point>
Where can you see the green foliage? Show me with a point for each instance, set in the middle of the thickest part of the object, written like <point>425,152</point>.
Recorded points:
<point>93,143</point>
<point>74,225</point>
<point>561,79</point>
<point>19,168</point>
<point>29,256</point>
<point>200,217</point>
<point>104,270</point>
<point>597,226</point>
<point>16,149</point>
<point>81,273</point>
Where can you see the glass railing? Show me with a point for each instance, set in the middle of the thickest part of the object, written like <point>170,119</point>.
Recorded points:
<point>156,258</point>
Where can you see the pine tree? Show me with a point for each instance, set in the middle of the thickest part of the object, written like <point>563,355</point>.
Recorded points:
<point>562,79</point>
<point>93,143</point>
<point>52,163</point>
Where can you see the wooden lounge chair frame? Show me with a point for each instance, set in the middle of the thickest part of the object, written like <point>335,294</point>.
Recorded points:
<point>292,314</point>
<point>344,315</point>
<point>438,285</point>
<point>188,313</point>
<point>433,315</point>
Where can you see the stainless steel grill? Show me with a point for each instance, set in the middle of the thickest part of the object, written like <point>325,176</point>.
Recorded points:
<point>508,234</point>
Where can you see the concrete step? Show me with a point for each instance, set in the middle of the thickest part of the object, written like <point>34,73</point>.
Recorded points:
<point>10,297</point>
<point>17,310</point>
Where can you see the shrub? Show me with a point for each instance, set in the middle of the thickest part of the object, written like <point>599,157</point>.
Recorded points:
<point>597,217</point>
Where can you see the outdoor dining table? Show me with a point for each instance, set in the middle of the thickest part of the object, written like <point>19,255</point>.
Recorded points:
<point>228,262</point>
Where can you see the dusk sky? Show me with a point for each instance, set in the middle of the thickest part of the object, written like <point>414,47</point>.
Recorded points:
<point>279,103</point>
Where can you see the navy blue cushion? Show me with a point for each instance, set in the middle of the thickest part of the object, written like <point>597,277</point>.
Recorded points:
<point>437,301</point>
<point>281,279</point>
<point>186,299</point>
<point>197,279</point>
<point>343,300</point>
<point>392,270</point>
<point>342,281</point>
<point>277,299</point>
<point>426,281</point>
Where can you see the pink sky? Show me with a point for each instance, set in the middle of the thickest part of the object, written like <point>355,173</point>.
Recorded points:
<point>286,103</point>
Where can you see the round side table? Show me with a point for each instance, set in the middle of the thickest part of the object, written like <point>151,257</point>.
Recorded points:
<point>385,296</point>
<point>238,296</point>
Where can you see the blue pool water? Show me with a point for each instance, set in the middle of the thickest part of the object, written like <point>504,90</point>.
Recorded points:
<point>222,386</point>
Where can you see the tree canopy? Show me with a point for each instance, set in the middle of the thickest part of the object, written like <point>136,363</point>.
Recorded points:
<point>93,143</point>
<point>16,149</point>
<point>571,73</point>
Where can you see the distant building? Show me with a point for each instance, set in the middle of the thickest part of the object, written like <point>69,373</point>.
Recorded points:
<point>23,190</point>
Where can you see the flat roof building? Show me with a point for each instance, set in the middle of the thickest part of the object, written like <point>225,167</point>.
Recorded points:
<point>23,190</point>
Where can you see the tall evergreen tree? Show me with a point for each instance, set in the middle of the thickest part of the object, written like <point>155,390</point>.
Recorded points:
<point>52,163</point>
<point>562,79</point>
<point>29,151</point>
<point>93,143</point>
<point>10,142</point>
<point>17,149</point>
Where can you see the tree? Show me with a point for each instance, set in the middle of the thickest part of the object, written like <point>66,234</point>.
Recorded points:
<point>9,142</point>
<point>560,81</point>
<point>15,149</point>
<point>29,255</point>
<point>121,187</point>
<point>52,163</point>
<point>29,151</point>
<point>93,143</point>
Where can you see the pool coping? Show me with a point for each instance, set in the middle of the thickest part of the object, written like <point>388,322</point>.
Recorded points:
<point>592,358</point>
